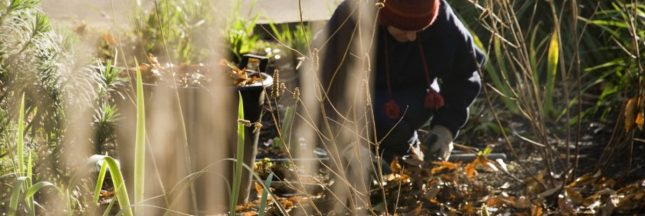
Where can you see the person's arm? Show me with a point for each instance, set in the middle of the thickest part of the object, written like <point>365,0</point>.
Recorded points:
<point>460,86</point>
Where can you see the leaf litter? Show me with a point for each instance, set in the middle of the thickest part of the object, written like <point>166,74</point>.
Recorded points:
<point>479,187</point>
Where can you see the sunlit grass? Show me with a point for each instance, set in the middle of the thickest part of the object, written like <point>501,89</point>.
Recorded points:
<point>239,156</point>
<point>140,145</point>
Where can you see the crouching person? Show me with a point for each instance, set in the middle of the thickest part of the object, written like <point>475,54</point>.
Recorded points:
<point>387,68</point>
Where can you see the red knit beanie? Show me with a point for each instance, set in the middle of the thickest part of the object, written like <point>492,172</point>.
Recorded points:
<point>411,15</point>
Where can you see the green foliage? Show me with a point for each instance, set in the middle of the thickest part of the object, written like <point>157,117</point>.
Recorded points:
<point>171,30</point>
<point>618,74</point>
<point>557,64</point>
<point>240,32</point>
<point>105,118</point>
<point>297,39</point>
<point>121,192</point>
<point>38,62</point>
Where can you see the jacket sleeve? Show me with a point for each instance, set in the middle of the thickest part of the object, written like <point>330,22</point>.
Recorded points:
<point>460,86</point>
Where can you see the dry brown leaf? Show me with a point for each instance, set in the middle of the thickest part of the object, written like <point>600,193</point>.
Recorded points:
<point>287,204</point>
<point>630,112</point>
<point>108,39</point>
<point>522,203</point>
<point>395,166</point>
<point>441,166</point>
<point>258,188</point>
<point>469,209</point>
<point>564,206</point>
<point>574,196</point>
<point>535,184</point>
<point>494,201</point>
<point>585,179</point>
<point>536,210</point>
<point>482,162</point>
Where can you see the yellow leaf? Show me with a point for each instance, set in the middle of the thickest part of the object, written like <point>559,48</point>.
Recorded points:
<point>640,120</point>
<point>630,111</point>
<point>395,167</point>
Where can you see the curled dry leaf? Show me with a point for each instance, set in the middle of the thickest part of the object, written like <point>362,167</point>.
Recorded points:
<point>444,166</point>
<point>395,166</point>
<point>480,162</point>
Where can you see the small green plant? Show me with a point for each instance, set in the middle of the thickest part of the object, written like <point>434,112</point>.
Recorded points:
<point>239,32</point>
<point>297,40</point>
<point>24,189</point>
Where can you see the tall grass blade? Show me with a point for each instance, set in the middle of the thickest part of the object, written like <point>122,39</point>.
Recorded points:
<point>239,156</point>
<point>287,122</point>
<point>99,182</point>
<point>29,199</point>
<point>552,70</point>
<point>139,146</point>
<point>20,142</point>
<point>14,200</point>
<point>265,195</point>
<point>108,209</point>
<point>497,76</point>
<point>121,192</point>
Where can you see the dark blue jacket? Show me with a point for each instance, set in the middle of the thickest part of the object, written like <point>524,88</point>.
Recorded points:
<point>449,52</point>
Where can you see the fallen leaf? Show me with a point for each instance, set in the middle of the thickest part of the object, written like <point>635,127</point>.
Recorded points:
<point>108,39</point>
<point>536,210</point>
<point>494,202</point>
<point>573,195</point>
<point>565,206</point>
<point>640,120</point>
<point>522,203</point>
<point>630,111</point>
<point>441,166</point>
<point>469,209</point>
<point>549,192</point>
<point>585,179</point>
<point>395,166</point>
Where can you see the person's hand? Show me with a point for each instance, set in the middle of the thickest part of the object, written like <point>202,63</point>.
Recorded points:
<point>440,143</point>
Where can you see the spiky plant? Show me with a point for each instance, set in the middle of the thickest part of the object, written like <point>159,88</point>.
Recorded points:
<point>38,62</point>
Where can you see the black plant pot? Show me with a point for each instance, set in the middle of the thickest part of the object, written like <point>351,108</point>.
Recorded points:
<point>253,97</point>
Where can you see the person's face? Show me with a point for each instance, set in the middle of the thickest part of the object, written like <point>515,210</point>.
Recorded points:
<point>402,35</point>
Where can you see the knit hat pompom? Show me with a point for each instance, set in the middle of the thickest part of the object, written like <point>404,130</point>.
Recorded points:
<point>411,15</point>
